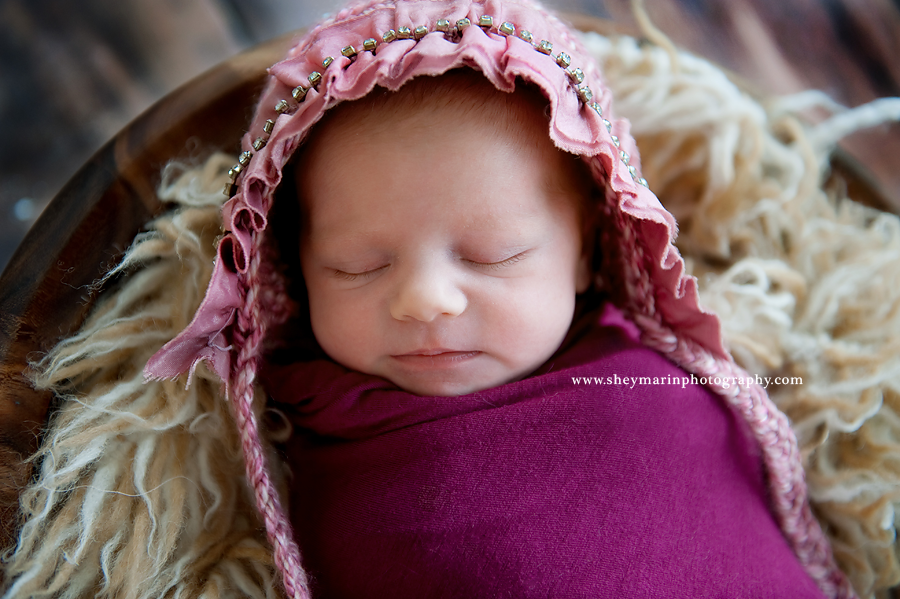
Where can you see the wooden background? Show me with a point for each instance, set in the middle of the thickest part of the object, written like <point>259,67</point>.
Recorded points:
<point>73,73</point>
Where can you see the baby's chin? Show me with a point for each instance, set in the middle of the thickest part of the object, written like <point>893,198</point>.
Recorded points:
<point>444,388</point>
<point>446,375</point>
<point>433,384</point>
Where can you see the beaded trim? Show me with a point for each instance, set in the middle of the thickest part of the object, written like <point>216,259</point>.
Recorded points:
<point>453,32</point>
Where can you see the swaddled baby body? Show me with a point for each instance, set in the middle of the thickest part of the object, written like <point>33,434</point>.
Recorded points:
<point>443,447</point>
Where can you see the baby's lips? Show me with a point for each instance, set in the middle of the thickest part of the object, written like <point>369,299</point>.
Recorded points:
<point>432,351</point>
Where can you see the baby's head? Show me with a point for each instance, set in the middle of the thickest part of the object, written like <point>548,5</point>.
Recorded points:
<point>443,236</point>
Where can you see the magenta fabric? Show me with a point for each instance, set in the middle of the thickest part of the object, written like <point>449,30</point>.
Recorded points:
<point>538,488</point>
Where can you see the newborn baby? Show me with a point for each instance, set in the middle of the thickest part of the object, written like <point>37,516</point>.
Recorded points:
<point>448,263</point>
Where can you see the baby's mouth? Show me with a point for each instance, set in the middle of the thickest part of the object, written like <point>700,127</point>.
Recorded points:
<point>436,351</point>
<point>435,356</point>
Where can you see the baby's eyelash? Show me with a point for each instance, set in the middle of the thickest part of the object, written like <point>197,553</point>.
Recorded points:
<point>353,276</point>
<point>501,264</point>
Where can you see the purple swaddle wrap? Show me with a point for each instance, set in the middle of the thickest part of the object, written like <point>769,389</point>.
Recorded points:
<point>537,488</point>
<point>386,44</point>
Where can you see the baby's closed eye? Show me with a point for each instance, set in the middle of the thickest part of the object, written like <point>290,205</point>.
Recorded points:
<point>498,264</point>
<point>354,276</point>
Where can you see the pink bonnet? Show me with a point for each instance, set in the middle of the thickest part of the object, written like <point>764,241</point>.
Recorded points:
<point>387,43</point>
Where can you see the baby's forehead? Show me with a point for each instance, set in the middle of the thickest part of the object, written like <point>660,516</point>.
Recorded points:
<point>450,117</point>
<point>434,107</point>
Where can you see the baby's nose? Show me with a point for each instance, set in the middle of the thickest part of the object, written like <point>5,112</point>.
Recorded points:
<point>426,294</point>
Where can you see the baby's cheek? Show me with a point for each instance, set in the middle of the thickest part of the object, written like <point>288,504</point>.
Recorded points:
<point>535,322</point>
<point>338,327</point>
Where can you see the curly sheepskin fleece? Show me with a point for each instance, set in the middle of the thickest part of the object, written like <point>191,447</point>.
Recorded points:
<point>141,491</point>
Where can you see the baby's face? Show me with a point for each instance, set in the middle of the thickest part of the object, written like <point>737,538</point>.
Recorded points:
<point>444,262</point>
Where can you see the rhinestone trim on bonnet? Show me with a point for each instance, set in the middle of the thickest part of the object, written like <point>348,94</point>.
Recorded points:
<point>452,34</point>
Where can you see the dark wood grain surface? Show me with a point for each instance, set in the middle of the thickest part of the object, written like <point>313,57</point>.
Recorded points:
<point>74,73</point>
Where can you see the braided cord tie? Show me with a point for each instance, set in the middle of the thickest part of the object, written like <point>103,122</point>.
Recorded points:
<point>781,455</point>
<point>250,333</point>
<point>770,426</point>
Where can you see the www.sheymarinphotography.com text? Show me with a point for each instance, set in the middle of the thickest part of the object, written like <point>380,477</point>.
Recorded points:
<point>683,381</point>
